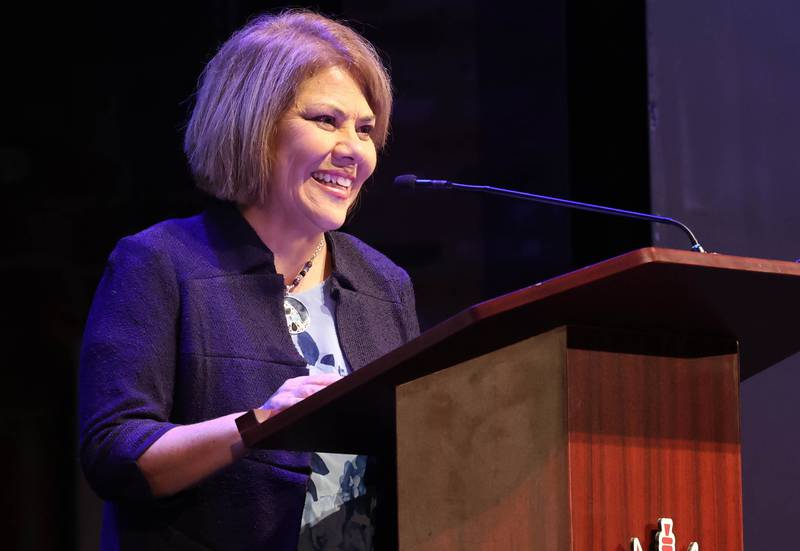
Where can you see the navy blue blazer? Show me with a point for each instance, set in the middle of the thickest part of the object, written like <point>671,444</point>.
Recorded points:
<point>187,325</point>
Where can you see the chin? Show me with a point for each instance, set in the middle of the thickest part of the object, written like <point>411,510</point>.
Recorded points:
<point>331,223</point>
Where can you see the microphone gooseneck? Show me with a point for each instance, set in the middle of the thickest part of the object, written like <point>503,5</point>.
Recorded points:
<point>410,181</point>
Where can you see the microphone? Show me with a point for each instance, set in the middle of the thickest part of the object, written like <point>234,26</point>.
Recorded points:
<point>410,181</point>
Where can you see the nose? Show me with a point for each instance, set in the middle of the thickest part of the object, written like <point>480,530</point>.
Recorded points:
<point>350,148</point>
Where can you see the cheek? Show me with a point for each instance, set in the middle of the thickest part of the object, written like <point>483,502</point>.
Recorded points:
<point>303,152</point>
<point>309,154</point>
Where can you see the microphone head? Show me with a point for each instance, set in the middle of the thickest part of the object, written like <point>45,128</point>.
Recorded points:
<point>406,181</point>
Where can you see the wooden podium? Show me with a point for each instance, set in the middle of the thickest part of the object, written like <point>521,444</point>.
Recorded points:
<point>569,415</point>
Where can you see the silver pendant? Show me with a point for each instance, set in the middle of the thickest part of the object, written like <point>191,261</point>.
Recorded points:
<point>297,316</point>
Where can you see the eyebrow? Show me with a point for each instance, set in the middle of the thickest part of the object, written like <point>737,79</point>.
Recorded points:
<point>339,112</point>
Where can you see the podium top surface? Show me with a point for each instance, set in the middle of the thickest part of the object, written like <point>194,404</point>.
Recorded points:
<point>755,301</point>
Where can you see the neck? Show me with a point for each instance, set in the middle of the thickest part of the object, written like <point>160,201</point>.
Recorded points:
<point>291,248</point>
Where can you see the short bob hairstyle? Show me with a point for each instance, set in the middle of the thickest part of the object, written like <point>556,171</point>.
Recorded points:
<point>250,84</point>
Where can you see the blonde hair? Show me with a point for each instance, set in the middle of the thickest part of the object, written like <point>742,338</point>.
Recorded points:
<point>252,81</point>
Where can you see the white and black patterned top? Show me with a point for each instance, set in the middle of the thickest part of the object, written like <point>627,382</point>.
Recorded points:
<point>337,512</point>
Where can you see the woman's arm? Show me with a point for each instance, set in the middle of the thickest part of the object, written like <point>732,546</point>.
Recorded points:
<point>126,381</point>
<point>187,454</point>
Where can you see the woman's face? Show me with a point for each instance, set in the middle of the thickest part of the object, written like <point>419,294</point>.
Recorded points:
<point>323,153</point>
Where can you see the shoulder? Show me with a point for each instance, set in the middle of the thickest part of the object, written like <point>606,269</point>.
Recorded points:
<point>367,269</point>
<point>178,245</point>
<point>141,282</point>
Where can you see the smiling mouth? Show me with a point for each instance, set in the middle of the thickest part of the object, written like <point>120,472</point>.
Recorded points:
<point>329,180</point>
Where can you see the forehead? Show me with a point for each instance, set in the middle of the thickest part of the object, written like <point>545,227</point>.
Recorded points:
<point>334,86</point>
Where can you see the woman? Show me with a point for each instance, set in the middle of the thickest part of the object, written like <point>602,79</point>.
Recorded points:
<point>255,302</point>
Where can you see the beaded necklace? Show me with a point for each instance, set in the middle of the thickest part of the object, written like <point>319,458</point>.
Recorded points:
<point>297,317</point>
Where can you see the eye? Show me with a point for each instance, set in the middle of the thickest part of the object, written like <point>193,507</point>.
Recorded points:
<point>366,129</point>
<point>325,120</point>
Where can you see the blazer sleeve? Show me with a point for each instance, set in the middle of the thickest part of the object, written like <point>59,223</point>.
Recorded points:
<point>127,372</point>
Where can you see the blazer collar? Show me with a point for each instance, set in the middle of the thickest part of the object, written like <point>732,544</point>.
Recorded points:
<point>340,267</point>
<point>238,247</point>
<point>240,250</point>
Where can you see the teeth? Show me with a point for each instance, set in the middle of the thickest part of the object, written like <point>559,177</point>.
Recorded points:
<point>341,181</point>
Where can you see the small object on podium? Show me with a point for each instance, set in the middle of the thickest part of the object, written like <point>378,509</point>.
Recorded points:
<point>665,539</point>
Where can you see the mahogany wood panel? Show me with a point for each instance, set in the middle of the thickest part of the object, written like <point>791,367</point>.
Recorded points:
<point>577,439</point>
<point>653,435</point>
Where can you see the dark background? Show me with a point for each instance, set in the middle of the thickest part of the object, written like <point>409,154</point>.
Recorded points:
<point>556,97</point>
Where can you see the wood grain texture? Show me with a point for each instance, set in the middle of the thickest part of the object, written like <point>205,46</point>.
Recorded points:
<point>654,435</point>
<point>577,439</point>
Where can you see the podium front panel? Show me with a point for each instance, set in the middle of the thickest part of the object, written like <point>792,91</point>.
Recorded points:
<point>576,439</point>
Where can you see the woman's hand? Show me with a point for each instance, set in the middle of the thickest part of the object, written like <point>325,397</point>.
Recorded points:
<point>298,388</point>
